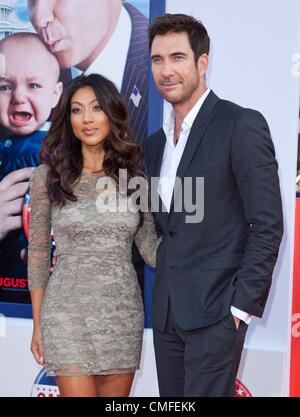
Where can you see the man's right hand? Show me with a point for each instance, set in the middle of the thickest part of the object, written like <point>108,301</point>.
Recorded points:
<point>13,188</point>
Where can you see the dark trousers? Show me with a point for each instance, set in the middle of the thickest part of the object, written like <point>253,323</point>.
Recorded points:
<point>198,363</point>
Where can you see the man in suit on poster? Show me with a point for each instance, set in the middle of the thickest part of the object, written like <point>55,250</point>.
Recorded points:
<point>100,36</point>
<point>214,270</point>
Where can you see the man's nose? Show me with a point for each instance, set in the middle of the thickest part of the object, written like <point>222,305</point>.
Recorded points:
<point>167,69</point>
<point>42,13</point>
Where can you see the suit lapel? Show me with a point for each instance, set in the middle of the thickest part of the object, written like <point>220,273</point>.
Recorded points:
<point>159,152</point>
<point>195,137</point>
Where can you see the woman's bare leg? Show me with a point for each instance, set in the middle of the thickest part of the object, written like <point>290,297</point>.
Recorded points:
<point>77,386</point>
<point>118,385</point>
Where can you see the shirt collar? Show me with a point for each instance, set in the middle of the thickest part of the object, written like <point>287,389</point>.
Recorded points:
<point>192,114</point>
<point>168,125</point>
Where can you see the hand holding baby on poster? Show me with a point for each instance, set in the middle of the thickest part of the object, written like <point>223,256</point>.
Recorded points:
<point>13,187</point>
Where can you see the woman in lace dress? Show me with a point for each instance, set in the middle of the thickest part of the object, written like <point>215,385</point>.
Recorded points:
<point>88,316</point>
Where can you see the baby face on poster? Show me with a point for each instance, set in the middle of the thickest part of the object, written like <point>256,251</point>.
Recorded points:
<point>29,86</point>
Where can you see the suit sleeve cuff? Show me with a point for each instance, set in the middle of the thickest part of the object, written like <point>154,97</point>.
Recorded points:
<point>241,314</point>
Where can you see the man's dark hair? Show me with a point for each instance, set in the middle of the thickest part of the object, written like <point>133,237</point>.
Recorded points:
<point>178,23</point>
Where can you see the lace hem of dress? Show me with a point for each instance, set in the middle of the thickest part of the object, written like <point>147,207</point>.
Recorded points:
<point>84,370</point>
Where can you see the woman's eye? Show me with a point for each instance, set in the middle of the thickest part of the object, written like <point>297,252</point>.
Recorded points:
<point>97,108</point>
<point>75,110</point>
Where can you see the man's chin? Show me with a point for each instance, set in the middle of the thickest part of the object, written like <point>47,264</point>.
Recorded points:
<point>172,99</point>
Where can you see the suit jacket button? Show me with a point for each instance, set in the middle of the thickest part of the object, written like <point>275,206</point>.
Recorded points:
<point>171,234</point>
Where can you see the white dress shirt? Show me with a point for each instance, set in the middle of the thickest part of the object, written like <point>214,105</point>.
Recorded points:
<point>111,61</point>
<point>170,162</point>
<point>173,153</point>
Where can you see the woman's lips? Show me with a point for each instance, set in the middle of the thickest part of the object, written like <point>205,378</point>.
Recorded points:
<point>89,131</point>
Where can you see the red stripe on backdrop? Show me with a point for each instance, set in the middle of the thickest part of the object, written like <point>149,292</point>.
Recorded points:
<point>295,341</point>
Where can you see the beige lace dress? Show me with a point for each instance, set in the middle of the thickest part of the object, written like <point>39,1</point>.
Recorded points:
<point>92,317</point>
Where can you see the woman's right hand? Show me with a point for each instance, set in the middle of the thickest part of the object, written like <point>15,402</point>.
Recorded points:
<point>36,347</point>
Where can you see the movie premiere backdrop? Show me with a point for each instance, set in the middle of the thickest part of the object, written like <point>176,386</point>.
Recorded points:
<point>252,62</point>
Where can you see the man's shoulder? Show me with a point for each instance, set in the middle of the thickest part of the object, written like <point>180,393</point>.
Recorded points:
<point>229,107</point>
<point>233,111</point>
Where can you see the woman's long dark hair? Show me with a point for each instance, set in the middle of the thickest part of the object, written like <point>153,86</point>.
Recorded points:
<point>61,150</point>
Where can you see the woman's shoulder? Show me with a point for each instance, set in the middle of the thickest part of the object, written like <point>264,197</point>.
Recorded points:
<point>40,171</point>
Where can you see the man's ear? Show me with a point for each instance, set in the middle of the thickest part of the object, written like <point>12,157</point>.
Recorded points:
<point>58,89</point>
<point>202,64</point>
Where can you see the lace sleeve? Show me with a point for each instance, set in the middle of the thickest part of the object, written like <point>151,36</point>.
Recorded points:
<point>40,230</point>
<point>147,240</point>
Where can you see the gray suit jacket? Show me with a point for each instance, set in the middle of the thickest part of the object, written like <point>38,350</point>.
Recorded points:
<point>228,258</point>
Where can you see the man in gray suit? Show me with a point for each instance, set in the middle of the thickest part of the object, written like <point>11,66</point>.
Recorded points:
<point>213,274</point>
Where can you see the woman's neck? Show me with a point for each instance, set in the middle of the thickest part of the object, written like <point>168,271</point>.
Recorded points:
<point>92,159</point>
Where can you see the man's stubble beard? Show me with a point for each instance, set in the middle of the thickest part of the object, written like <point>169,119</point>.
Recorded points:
<point>186,95</point>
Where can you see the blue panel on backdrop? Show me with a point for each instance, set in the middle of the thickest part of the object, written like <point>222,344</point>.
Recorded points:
<point>155,119</point>
<point>155,109</point>
<point>16,310</point>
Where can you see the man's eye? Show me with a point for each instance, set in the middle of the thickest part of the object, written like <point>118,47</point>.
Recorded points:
<point>5,87</point>
<point>178,57</point>
<point>156,60</point>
